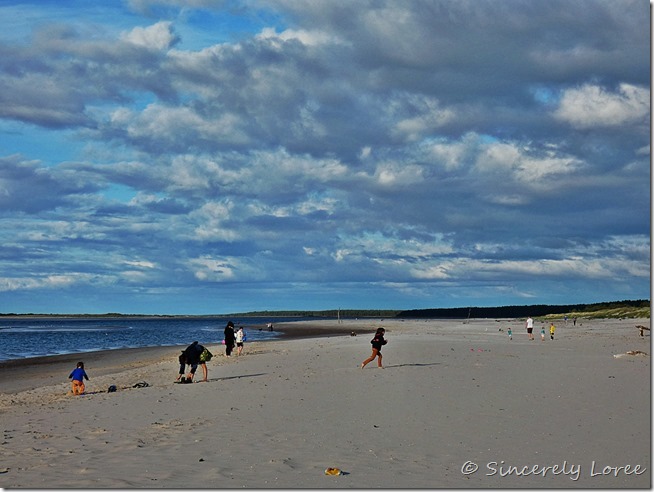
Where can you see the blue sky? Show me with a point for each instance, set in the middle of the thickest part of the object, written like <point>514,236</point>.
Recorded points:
<point>196,157</point>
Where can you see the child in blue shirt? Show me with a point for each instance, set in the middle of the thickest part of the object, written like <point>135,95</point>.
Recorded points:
<point>78,376</point>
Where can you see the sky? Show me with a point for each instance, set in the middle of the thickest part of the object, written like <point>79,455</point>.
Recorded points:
<point>210,157</point>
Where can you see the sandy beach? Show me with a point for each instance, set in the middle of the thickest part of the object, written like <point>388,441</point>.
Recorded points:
<point>458,405</point>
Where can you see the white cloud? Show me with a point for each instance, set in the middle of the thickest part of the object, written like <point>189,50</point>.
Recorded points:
<point>210,220</point>
<point>525,165</point>
<point>169,127</point>
<point>453,155</point>
<point>47,282</point>
<point>565,268</point>
<point>212,269</point>
<point>143,264</point>
<point>503,199</point>
<point>159,36</point>
<point>190,173</point>
<point>430,117</point>
<point>593,106</point>
<point>365,152</point>
<point>309,38</point>
<point>431,272</point>
<point>393,174</point>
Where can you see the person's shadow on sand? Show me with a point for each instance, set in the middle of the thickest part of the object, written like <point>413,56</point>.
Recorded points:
<point>416,364</point>
<point>234,377</point>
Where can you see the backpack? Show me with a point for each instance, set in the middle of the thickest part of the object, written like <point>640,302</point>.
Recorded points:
<point>205,356</point>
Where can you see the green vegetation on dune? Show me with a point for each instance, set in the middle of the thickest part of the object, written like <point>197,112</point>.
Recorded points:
<point>622,312</point>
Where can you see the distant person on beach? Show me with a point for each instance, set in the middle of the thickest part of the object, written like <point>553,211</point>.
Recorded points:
<point>193,353</point>
<point>270,327</point>
<point>182,365</point>
<point>240,338</point>
<point>552,329</point>
<point>574,321</point>
<point>230,338</point>
<point>377,343</point>
<point>542,334</point>
<point>78,376</point>
<point>530,328</point>
<point>510,334</point>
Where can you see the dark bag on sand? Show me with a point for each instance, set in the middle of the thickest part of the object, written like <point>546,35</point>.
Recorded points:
<point>111,389</point>
<point>205,356</point>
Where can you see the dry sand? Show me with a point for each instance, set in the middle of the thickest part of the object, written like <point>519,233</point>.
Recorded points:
<point>453,396</point>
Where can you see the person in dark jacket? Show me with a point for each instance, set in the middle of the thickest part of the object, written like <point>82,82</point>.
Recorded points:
<point>230,338</point>
<point>193,353</point>
<point>377,343</point>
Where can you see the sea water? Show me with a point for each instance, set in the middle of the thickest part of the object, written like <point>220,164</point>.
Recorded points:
<point>40,336</point>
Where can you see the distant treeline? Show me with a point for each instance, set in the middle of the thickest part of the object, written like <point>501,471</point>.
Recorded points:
<point>641,308</point>
<point>519,311</point>
<point>537,310</point>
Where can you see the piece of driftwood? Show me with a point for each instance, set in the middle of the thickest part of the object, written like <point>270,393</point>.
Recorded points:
<point>642,329</point>
<point>631,352</point>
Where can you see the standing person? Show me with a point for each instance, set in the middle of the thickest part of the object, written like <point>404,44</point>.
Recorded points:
<point>542,333</point>
<point>78,376</point>
<point>552,329</point>
<point>377,343</point>
<point>530,328</point>
<point>229,338</point>
<point>510,334</point>
<point>193,353</point>
<point>240,338</point>
<point>182,365</point>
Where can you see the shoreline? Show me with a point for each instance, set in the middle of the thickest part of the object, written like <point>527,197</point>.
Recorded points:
<point>18,375</point>
<point>289,331</point>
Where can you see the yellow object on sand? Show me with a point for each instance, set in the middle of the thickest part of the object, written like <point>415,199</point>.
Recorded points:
<point>333,471</point>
